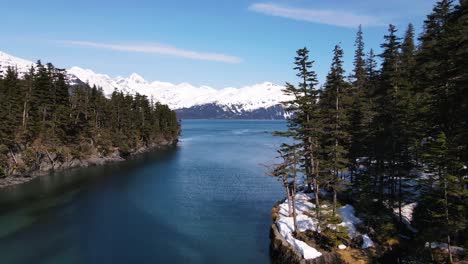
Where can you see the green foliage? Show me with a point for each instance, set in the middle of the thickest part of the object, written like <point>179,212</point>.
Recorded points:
<point>335,101</point>
<point>304,127</point>
<point>388,122</point>
<point>44,111</point>
<point>29,157</point>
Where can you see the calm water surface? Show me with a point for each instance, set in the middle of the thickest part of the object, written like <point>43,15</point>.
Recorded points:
<point>205,201</point>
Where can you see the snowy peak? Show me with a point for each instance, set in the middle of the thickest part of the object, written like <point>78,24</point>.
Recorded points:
<point>134,77</point>
<point>186,95</point>
<point>7,60</point>
<point>236,101</point>
<point>103,81</point>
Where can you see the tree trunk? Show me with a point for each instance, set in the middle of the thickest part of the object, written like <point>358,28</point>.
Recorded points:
<point>25,105</point>
<point>447,219</point>
<point>294,171</point>
<point>310,156</point>
<point>294,209</point>
<point>334,201</point>
<point>50,158</point>
<point>13,156</point>
<point>381,181</point>
<point>288,195</point>
<point>399,199</point>
<point>316,196</point>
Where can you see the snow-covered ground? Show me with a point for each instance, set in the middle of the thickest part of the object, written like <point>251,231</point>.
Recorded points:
<point>304,210</point>
<point>350,221</point>
<point>407,215</point>
<point>285,225</point>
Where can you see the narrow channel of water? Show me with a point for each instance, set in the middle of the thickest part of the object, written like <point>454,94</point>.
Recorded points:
<point>206,201</point>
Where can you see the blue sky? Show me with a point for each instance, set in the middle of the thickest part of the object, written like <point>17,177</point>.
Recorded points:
<point>203,42</point>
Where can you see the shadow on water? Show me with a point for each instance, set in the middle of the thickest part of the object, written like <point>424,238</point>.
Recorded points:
<point>122,233</point>
<point>61,183</point>
<point>59,213</point>
<point>207,201</point>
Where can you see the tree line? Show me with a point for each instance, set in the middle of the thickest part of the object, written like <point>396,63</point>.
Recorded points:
<point>41,111</point>
<point>392,132</point>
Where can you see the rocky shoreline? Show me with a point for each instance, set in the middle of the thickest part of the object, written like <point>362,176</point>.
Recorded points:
<point>283,253</point>
<point>50,162</point>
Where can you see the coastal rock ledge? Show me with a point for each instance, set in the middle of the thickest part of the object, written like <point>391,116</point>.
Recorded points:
<point>283,253</point>
<point>46,162</point>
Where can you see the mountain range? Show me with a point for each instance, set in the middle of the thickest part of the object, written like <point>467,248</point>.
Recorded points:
<point>258,101</point>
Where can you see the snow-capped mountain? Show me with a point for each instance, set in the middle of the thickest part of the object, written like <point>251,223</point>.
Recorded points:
<point>21,65</point>
<point>259,101</point>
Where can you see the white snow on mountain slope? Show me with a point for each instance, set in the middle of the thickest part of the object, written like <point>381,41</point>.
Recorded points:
<point>104,81</point>
<point>185,95</point>
<point>7,60</point>
<point>176,96</point>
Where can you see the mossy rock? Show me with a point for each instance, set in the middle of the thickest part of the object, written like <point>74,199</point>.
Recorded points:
<point>2,173</point>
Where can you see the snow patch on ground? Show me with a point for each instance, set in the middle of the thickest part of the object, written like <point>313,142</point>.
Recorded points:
<point>285,225</point>
<point>407,215</point>
<point>444,246</point>
<point>350,221</point>
<point>304,208</point>
<point>367,242</point>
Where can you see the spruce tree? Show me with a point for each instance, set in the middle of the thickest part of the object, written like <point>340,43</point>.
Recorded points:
<point>11,106</point>
<point>305,124</point>
<point>441,194</point>
<point>386,99</point>
<point>334,102</point>
<point>360,106</point>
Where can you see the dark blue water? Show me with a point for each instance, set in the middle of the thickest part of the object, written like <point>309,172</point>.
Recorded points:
<point>207,200</point>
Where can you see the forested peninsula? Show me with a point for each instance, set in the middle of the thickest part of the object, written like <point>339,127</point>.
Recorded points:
<point>48,124</point>
<point>377,168</point>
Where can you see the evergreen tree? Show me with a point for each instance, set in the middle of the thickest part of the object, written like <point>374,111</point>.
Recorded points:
<point>334,102</point>
<point>386,100</point>
<point>10,105</point>
<point>305,125</point>
<point>409,114</point>
<point>359,72</point>
<point>442,194</point>
<point>360,109</point>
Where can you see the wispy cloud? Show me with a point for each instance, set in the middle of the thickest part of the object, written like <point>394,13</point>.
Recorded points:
<point>157,49</point>
<point>330,17</point>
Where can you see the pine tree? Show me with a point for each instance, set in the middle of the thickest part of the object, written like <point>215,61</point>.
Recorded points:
<point>10,103</point>
<point>441,82</point>
<point>27,92</point>
<point>386,100</point>
<point>359,72</point>
<point>289,171</point>
<point>442,193</point>
<point>42,112</point>
<point>305,125</point>
<point>359,111</point>
<point>405,119</point>
<point>334,102</point>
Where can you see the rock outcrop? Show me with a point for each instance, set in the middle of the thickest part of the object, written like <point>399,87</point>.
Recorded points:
<point>26,163</point>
